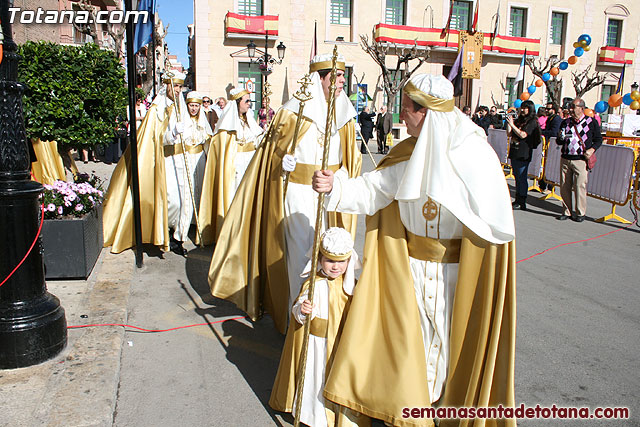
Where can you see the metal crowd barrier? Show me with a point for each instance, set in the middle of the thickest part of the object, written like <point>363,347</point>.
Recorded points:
<point>536,165</point>
<point>551,170</point>
<point>611,179</point>
<point>498,140</point>
<point>636,191</point>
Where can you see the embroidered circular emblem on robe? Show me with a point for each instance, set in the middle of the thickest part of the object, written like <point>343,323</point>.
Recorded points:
<point>430,210</point>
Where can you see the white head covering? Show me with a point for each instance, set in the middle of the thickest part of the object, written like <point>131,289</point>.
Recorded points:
<point>316,108</point>
<point>194,96</point>
<point>202,122</point>
<point>163,101</point>
<point>454,165</point>
<point>230,118</point>
<point>336,243</point>
<point>174,75</point>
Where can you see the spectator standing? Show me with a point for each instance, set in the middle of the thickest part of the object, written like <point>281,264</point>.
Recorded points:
<point>542,117</point>
<point>579,137</point>
<point>495,119</point>
<point>466,110</point>
<point>366,125</point>
<point>384,122</point>
<point>525,137</point>
<point>481,118</point>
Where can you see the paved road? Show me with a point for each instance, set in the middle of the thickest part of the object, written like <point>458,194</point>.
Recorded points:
<point>578,331</point>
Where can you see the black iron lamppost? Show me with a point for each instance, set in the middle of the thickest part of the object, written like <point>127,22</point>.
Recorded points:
<point>33,327</point>
<point>266,62</point>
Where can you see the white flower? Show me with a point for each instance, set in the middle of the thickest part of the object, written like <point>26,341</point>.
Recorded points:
<point>51,207</point>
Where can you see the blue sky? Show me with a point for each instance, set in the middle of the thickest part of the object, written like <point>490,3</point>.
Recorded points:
<point>179,14</point>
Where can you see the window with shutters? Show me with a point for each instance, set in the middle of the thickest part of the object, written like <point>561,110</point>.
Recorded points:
<point>248,72</point>
<point>461,16</point>
<point>394,12</point>
<point>558,27</point>
<point>340,12</point>
<point>614,30</point>
<point>250,7</point>
<point>518,22</point>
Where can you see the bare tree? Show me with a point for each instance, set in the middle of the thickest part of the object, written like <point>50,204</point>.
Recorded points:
<point>583,82</point>
<point>392,81</point>
<point>538,67</point>
<point>115,31</point>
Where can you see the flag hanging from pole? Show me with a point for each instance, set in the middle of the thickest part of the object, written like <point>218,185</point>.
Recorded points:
<point>621,80</point>
<point>314,42</point>
<point>445,30</point>
<point>144,27</point>
<point>520,75</point>
<point>475,18</point>
<point>455,75</point>
<point>496,26</point>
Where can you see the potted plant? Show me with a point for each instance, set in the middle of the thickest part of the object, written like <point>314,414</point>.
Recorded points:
<point>72,231</point>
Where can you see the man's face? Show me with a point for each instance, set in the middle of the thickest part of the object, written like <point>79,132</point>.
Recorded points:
<point>576,111</point>
<point>206,102</point>
<point>493,111</point>
<point>550,110</point>
<point>222,103</point>
<point>326,82</point>
<point>194,108</point>
<point>413,119</point>
<point>177,90</point>
<point>245,104</point>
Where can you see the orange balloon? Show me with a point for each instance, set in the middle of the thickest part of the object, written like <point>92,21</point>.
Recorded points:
<point>539,83</point>
<point>589,112</point>
<point>524,96</point>
<point>635,105</point>
<point>554,71</point>
<point>572,60</point>
<point>615,100</point>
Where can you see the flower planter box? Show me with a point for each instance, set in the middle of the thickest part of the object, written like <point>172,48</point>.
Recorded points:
<point>72,246</point>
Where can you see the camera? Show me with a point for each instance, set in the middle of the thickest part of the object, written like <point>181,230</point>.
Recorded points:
<point>512,114</point>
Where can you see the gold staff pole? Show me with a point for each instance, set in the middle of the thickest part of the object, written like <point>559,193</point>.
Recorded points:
<point>186,161</point>
<point>316,237</point>
<point>303,95</point>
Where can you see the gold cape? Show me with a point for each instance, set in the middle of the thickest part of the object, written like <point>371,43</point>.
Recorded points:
<point>49,167</point>
<point>248,266</point>
<point>118,205</point>
<point>380,364</point>
<point>217,187</point>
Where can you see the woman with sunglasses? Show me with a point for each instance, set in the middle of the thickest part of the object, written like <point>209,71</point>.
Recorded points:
<point>525,137</point>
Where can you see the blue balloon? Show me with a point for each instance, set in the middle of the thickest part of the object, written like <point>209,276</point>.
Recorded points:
<point>601,107</point>
<point>546,77</point>
<point>531,89</point>
<point>563,65</point>
<point>627,100</point>
<point>578,51</point>
<point>585,37</point>
<point>517,103</point>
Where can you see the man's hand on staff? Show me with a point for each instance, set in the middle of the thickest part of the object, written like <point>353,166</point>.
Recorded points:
<point>322,181</point>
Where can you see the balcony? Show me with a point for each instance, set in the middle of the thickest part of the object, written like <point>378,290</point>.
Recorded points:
<point>245,26</point>
<point>430,37</point>
<point>615,56</point>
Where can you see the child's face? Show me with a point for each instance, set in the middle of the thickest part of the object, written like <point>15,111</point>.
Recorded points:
<point>333,268</point>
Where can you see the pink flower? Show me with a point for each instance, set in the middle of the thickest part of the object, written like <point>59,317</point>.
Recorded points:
<point>59,210</point>
<point>51,207</point>
<point>79,207</point>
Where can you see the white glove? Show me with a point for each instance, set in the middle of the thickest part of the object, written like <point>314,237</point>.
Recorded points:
<point>288,163</point>
<point>178,129</point>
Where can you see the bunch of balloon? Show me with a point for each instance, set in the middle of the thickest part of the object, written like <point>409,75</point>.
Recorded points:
<point>581,46</point>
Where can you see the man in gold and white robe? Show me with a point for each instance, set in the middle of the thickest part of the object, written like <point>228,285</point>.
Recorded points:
<point>437,293</point>
<point>183,179</point>
<point>267,235</point>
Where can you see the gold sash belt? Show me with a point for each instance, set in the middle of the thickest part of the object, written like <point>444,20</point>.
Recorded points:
<point>172,150</point>
<point>303,172</point>
<point>319,327</point>
<point>245,148</point>
<point>436,250</point>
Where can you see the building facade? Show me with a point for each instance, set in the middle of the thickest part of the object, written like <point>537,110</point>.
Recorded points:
<point>222,29</point>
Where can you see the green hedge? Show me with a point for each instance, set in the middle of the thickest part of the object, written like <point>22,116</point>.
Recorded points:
<point>74,93</point>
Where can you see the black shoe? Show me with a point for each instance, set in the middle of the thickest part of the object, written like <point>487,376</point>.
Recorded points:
<point>519,206</point>
<point>176,247</point>
<point>578,218</point>
<point>562,217</point>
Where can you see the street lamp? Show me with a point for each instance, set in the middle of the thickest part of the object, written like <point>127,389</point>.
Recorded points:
<point>265,63</point>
